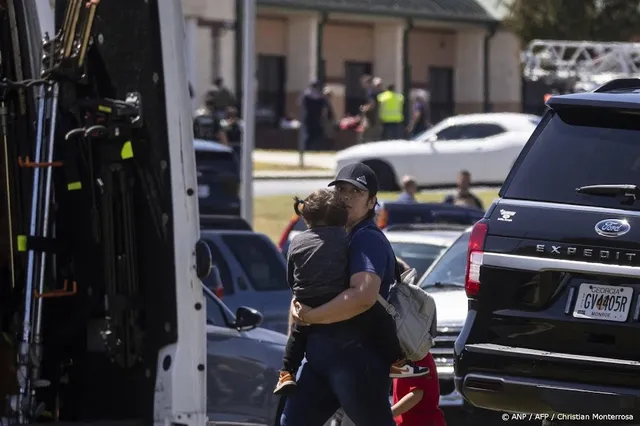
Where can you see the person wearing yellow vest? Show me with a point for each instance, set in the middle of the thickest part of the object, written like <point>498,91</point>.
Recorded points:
<point>391,113</point>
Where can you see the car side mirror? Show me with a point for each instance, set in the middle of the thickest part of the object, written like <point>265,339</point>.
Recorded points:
<point>203,259</point>
<point>431,139</point>
<point>247,319</point>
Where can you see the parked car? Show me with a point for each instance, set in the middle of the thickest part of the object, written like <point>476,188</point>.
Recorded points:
<point>419,246</point>
<point>248,270</point>
<point>243,361</point>
<point>218,172</point>
<point>485,144</point>
<point>391,214</point>
<point>444,281</point>
<point>553,275</point>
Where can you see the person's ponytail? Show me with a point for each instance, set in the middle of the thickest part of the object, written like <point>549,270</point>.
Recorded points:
<point>297,202</point>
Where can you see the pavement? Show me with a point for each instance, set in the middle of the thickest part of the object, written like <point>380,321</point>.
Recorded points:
<point>316,160</point>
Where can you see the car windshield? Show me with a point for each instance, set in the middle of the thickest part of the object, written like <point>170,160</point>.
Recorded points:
<point>450,268</point>
<point>418,255</point>
<point>261,261</point>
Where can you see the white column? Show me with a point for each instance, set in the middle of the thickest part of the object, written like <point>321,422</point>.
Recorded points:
<point>469,71</point>
<point>504,68</point>
<point>302,61</point>
<point>388,53</point>
<point>191,42</point>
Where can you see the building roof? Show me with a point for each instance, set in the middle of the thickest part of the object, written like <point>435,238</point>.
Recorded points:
<point>449,10</point>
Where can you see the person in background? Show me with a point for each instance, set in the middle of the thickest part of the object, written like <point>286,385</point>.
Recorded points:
<point>464,196</point>
<point>409,190</point>
<point>420,116</point>
<point>372,130</point>
<point>314,106</point>
<point>391,113</point>
<point>206,123</point>
<point>416,400</point>
<point>221,97</point>
<point>232,126</point>
<point>329,116</point>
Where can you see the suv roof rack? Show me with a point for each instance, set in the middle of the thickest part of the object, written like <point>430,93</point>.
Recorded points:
<point>619,84</point>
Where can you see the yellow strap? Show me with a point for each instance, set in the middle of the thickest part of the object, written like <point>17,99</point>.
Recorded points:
<point>74,186</point>
<point>103,108</point>
<point>22,243</point>
<point>127,151</point>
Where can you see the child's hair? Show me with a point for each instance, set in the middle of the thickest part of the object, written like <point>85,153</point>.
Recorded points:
<point>323,207</point>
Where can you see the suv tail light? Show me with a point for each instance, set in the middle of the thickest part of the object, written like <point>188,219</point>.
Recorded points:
<point>474,257</point>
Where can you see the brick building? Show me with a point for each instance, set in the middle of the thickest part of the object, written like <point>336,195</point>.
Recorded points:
<point>456,49</point>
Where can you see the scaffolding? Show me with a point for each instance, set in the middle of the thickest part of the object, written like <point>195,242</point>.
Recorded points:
<point>586,64</point>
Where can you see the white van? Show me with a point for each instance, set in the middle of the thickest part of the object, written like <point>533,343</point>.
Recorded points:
<point>100,261</point>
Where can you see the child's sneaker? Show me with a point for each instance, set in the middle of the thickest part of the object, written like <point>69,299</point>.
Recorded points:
<point>286,383</point>
<point>403,369</point>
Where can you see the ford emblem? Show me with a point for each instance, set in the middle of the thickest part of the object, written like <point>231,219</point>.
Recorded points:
<point>612,227</point>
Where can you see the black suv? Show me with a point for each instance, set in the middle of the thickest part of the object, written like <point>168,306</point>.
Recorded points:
<point>553,269</point>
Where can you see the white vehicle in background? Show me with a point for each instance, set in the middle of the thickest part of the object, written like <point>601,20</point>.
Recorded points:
<point>484,144</point>
<point>420,245</point>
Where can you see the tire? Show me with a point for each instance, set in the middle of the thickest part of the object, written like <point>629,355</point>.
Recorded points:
<point>386,175</point>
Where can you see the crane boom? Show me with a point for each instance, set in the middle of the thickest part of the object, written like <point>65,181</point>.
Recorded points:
<point>586,61</point>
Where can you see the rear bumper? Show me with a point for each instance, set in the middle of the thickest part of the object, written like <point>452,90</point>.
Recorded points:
<point>449,396</point>
<point>504,389</point>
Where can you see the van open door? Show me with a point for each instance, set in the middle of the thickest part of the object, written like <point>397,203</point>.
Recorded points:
<point>100,296</point>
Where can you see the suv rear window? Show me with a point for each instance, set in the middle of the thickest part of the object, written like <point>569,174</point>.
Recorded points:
<point>261,261</point>
<point>579,146</point>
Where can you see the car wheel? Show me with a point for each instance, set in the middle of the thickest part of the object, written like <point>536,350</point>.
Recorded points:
<point>386,176</point>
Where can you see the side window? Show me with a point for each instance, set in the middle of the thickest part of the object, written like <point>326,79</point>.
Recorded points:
<point>449,133</point>
<point>480,131</point>
<point>214,311</point>
<point>218,260</point>
<point>260,260</point>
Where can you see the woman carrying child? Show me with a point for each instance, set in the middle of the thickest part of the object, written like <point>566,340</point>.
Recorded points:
<point>351,347</point>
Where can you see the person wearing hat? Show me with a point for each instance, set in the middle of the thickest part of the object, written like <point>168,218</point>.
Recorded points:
<point>347,364</point>
<point>315,108</point>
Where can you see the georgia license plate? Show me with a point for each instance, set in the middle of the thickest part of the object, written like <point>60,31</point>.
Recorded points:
<point>203,191</point>
<point>603,302</point>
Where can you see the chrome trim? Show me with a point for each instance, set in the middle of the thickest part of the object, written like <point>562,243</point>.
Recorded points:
<point>490,347</point>
<point>528,263</point>
<point>567,306</point>
<point>572,207</point>
<point>636,314</point>
<point>529,384</point>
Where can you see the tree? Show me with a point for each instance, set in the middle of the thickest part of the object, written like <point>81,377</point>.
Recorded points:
<point>599,20</point>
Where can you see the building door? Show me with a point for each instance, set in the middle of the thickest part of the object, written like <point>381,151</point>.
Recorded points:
<point>354,95</point>
<point>441,93</point>
<point>271,73</point>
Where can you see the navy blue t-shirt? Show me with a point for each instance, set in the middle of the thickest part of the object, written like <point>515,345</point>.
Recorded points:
<point>370,251</point>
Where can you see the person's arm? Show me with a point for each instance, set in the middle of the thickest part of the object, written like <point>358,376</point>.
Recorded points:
<point>367,263</point>
<point>414,119</point>
<point>407,402</point>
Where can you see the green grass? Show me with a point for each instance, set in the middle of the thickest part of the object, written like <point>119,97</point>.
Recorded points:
<point>273,213</point>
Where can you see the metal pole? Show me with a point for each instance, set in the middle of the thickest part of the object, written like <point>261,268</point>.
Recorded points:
<point>248,107</point>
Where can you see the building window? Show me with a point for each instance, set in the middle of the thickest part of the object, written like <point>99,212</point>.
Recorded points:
<point>354,94</point>
<point>441,102</point>
<point>271,89</point>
